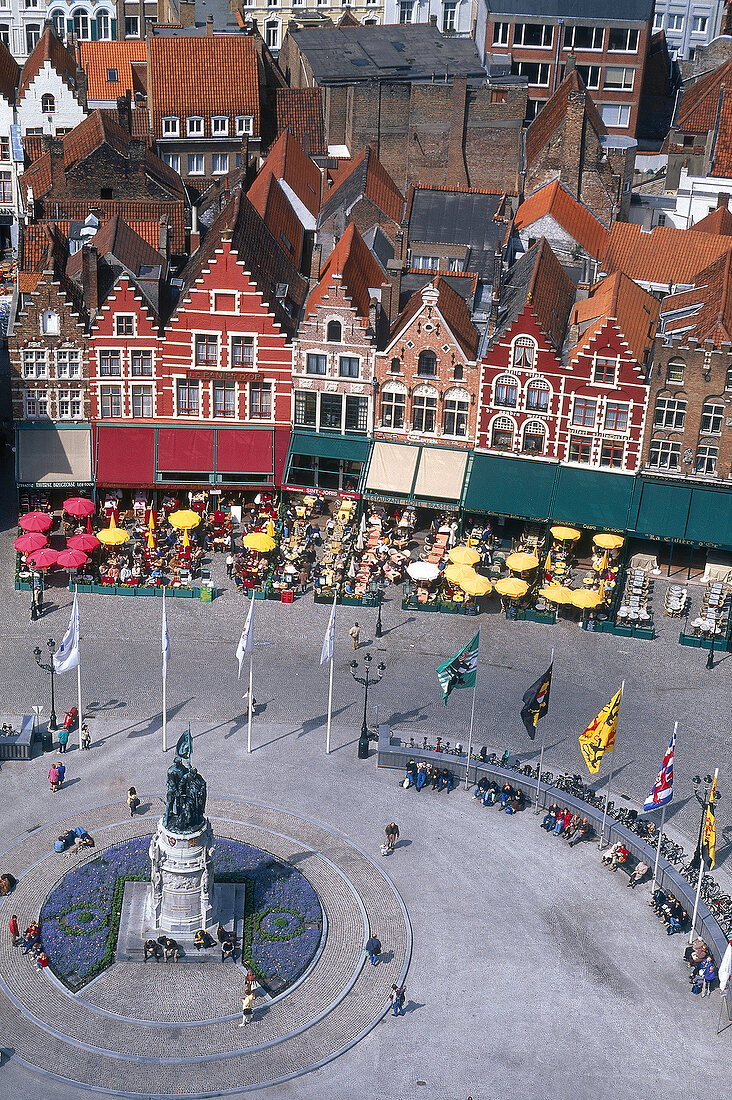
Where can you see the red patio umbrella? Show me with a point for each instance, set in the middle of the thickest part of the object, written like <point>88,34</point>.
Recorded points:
<point>79,506</point>
<point>43,559</point>
<point>29,542</point>
<point>36,521</point>
<point>71,559</point>
<point>84,542</point>
<point>89,528</point>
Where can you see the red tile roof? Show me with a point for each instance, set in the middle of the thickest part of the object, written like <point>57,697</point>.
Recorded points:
<point>206,76</point>
<point>634,311</point>
<point>288,162</point>
<point>48,48</point>
<point>665,255</point>
<point>372,181</point>
<point>273,207</point>
<point>707,306</point>
<point>91,132</point>
<point>141,216</point>
<point>140,122</point>
<point>699,103</point>
<point>9,73</point>
<point>34,146</point>
<point>721,163</point>
<point>717,222</point>
<point>552,114</point>
<point>556,201</point>
<point>352,266</point>
<point>300,110</point>
<point>98,58</point>
<point>117,239</point>
<point>454,312</point>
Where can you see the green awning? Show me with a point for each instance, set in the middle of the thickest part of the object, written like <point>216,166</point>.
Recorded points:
<point>710,517</point>
<point>517,487</point>
<point>592,498</point>
<point>354,449</point>
<point>663,510</point>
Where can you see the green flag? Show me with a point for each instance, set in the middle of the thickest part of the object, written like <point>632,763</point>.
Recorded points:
<point>459,671</point>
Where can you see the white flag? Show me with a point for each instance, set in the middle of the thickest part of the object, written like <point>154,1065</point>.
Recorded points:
<point>165,640</point>
<point>246,642</point>
<point>725,968</point>
<point>67,655</point>
<point>329,639</point>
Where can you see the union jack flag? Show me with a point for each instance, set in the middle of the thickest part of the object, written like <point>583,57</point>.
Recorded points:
<point>663,788</point>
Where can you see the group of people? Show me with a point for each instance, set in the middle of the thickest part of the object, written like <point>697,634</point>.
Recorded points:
<point>169,947</point>
<point>422,775</point>
<point>507,798</point>
<point>562,822</point>
<point>31,941</point>
<point>702,971</point>
<point>73,840</point>
<point>56,776</point>
<point>669,911</point>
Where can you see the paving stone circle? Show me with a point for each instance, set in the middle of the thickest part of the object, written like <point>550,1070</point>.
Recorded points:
<point>161,1030</point>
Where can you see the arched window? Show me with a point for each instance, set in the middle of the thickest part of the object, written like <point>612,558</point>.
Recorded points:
<point>537,395</point>
<point>534,437</point>
<point>506,391</point>
<point>395,366</point>
<point>427,364</point>
<point>49,323</point>
<point>675,370</point>
<point>424,409</point>
<point>82,26</point>
<point>58,19</point>
<point>502,433</point>
<point>393,402</point>
<point>523,356</point>
<point>48,104</point>
<point>457,405</point>
<point>104,26</point>
<point>335,332</point>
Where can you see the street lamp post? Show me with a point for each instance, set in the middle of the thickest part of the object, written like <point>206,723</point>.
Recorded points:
<point>34,604</point>
<point>48,668</point>
<point>710,654</point>
<point>697,859</point>
<point>367,681</point>
<point>377,590</point>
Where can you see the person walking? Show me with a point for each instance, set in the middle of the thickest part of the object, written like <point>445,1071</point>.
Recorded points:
<point>392,835</point>
<point>53,777</point>
<point>397,997</point>
<point>132,801</point>
<point>85,737</point>
<point>355,633</point>
<point>247,1005</point>
<point>229,564</point>
<point>61,769</point>
<point>373,949</point>
<point>14,931</point>
<point>63,738</point>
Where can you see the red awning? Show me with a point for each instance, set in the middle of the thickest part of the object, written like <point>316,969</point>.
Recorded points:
<point>125,456</point>
<point>246,451</point>
<point>185,450</point>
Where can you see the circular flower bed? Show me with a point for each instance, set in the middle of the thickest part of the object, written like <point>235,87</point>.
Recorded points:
<point>283,923</point>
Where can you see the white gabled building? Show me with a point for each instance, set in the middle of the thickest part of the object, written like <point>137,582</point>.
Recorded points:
<point>50,100</point>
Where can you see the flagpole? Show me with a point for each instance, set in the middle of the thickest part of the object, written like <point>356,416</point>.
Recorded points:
<point>78,671</point>
<point>658,848</point>
<point>701,863</point>
<point>541,753</point>
<point>612,772</point>
<point>472,720</point>
<point>330,707</point>
<point>250,707</point>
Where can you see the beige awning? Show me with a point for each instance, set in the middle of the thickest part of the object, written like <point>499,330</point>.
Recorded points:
<point>54,456</point>
<point>441,474</point>
<point>391,469</point>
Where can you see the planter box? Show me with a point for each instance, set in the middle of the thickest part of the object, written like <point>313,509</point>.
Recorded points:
<point>23,586</point>
<point>624,631</point>
<point>644,632</point>
<point>539,616</point>
<point>184,593</point>
<point>145,590</point>
<point>85,587</point>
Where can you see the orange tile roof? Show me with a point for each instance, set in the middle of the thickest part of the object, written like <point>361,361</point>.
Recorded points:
<point>91,132</point>
<point>9,73</point>
<point>665,255</point>
<point>38,175</point>
<point>707,305</point>
<point>207,76</point>
<point>273,207</point>
<point>617,298</point>
<point>717,222</point>
<point>140,122</point>
<point>556,201</point>
<point>48,48</point>
<point>300,110</point>
<point>552,114</point>
<point>97,58</point>
<point>352,260</point>
<point>288,162</point>
<point>699,103</point>
<point>34,146</point>
<point>117,239</point>
<point>454,311</point>
<point>721,164</point>
<point>368,175</point>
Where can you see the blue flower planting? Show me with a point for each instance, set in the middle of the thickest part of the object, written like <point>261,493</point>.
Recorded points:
<point>284,920</point>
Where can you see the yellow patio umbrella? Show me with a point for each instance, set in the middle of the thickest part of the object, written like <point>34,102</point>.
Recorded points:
<point>184,518</point>
<point>557,593</point>
<point>475,585</point>
<point>259,542</point>
<point>464,555</point>
<point>565,534</point>
<point>511,586</point>
<point>309,500</point>
<point>112,536</point>
<point>522,563</point>
<point>586,598</point>
<point>186,540</point>
<point>270,529</point>
<point>608,542</point>
<point>457,573</point>
<point>151,540</point>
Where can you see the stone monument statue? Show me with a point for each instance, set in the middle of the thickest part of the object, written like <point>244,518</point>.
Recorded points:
<point>182,884</point>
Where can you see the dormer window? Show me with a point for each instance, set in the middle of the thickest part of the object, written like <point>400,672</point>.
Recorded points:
<point>48,104</point>
<point>220,126</point>
<point>171,127</point>
<point>194,127</point>
<point>244,125</point>
<point>112,76</point>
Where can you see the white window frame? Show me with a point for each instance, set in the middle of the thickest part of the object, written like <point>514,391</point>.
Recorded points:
<point>570,34</point>
<point>173,161</point>
<point>700,19</point>
<point>214,294</point>
<point>230,351</point>
<point>195,157</point>
<point>220,126</point>
<point>243,124</point>
<point>195,126</point>
<point>623,112</point>
<point>627,78</point>
<point>221,159</point>
<point>500,34</point>
<point>74,397</point>
<point>170,126</point>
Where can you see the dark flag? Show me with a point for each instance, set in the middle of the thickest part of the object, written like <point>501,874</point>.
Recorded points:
<point>536,702</point>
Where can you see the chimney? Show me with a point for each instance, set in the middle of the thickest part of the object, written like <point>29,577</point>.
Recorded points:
<point>195,242</point>
<point>186,13</point>
<point>136,150</point>
<point>394,275</point>
<point>209,26</point>
<point>124,112</point>
<point>315,258</point>
<point>723,200</point>
<point>570,64</point>
<point>164,238</point>
<point>89,285</point>
<point>433,20</point>
<point>373,314</point>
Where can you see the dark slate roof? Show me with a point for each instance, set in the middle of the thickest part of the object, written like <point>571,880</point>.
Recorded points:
<point>393,52</point>
<point>412,281</point>
<point>537,278</point>
<point>622,11</point>
<point>440,216</point>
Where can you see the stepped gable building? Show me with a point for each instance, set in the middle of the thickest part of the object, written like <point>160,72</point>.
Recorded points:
<point>689,431</point>
<point>422,99</point>
<point>569,141</point>
<point>10,159</point>
<point>573,232</point>
<point>608,45</point>
<point>99,168</point>
<point>51,97</point>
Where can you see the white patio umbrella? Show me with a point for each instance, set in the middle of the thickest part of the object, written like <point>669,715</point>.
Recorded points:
<point>423,571</point>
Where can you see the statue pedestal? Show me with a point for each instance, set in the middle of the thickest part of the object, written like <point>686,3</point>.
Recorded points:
<point>181,898</point>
